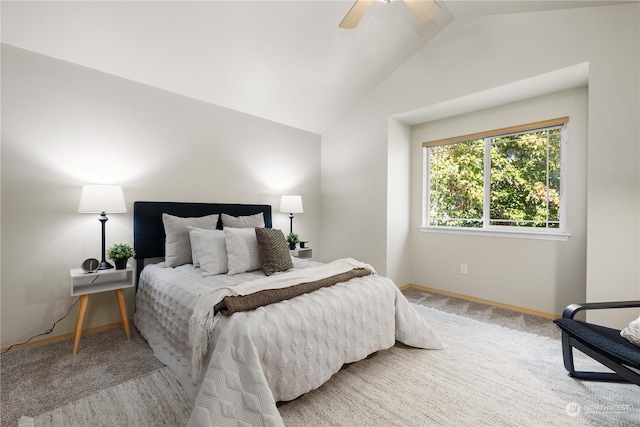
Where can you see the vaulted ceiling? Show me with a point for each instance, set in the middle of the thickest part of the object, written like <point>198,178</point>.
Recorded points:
<point>285,61</point>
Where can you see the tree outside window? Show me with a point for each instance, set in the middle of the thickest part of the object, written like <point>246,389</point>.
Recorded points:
<point>498,181</point>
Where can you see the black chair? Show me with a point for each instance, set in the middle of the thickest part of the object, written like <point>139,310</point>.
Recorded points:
<point>600,343</point>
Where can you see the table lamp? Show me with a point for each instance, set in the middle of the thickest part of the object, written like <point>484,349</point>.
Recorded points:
<point>291,204</point>
<point>102,199</point>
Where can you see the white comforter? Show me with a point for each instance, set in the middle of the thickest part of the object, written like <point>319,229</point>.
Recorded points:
<point>203,320</point>
<point>282,351</point>
<point>278,352</point>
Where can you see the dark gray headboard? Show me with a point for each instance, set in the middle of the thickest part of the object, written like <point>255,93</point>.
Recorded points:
<point>148,229</point>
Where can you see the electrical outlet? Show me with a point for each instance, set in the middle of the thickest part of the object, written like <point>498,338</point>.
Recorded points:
<point>463,268</point>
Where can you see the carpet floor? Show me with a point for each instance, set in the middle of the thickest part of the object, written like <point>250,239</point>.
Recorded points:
<point>399,386</point>
<point>154,399</point>
<point>42,378</point>
<point>488,376</point>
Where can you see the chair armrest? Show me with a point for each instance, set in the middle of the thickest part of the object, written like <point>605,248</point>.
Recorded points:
<point>572,309</point>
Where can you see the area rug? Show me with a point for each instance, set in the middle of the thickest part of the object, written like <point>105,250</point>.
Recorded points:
<point>488,375</point>
<point>151,400</point>
<point>41,378</point>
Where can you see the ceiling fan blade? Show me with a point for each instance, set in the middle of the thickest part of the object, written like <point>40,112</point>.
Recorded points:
<point>424,10</point>
<point>355,14</point>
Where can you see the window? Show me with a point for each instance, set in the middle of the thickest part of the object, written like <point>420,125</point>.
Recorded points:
<point>503,180</point>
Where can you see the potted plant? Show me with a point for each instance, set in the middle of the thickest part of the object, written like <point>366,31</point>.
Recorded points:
<point>120,254</point>
<point>292,239</point>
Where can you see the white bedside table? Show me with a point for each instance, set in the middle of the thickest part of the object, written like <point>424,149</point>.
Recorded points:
<point>304,253</point>
<point>84,284</point>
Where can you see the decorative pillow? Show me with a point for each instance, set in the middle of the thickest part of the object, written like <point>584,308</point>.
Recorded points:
<point>209,249</point>
<point>632,332</point>
<point>242,250</point>
<point>273,250</point>
<point>177,246</point>
<point>248,221</point>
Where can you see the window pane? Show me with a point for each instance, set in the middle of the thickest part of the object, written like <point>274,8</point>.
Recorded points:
<point>554,178</point>
<point>523,194</point>
<point>456,184</point>
<point>523,180</point>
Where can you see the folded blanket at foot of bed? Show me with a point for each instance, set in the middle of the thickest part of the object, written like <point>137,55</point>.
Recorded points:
<point>234,304</point>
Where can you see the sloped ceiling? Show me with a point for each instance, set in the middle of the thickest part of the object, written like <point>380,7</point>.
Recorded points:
<point>285,61</point>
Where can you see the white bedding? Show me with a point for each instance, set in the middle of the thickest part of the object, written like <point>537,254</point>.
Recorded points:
<point>163,310</point>
<point>274,353</point>
<point>203,321</point>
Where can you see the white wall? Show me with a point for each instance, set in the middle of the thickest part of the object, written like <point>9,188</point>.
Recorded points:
<point>399,220</point>
<point>547,274</point>
<point>480,53</point>
<point>64,126</point>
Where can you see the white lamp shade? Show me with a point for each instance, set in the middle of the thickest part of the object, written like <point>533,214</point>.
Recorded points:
<point>102,198</point>
<point>291,204</point>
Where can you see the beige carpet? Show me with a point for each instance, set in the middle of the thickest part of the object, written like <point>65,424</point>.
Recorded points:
<point>151,400</point>
<point>489,375</point>
<point>42,378</point>
<point>39,379</point>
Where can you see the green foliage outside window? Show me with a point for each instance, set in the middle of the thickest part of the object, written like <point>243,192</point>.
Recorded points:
<point>457,180</point>
<point>524,181</point>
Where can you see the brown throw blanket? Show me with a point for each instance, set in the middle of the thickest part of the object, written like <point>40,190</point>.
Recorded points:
<point>233,304</point>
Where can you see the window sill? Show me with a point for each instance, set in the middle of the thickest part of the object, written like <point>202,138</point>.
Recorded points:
<point>517,234</point>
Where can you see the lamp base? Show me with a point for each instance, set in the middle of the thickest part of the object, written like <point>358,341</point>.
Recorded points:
<point>104,265</point>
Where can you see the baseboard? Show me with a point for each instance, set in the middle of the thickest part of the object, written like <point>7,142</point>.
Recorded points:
<point>482,301</point>
<point>63,337</point>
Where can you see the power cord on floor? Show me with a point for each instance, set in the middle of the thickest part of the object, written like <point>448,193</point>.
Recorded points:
<point>47,332</point>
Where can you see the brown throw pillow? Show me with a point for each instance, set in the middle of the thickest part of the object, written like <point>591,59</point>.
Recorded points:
<point>273,250</point>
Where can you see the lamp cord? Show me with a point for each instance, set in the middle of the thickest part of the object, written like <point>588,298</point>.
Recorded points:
<point>48,331</point>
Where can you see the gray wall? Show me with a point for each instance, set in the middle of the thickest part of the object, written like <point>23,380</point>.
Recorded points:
<point>544,273</point>
<point>470,56</point>
<point>64,126</point>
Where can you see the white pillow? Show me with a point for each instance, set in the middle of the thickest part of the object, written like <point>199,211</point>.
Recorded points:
<point>242,250</point>
<point>177,245</point>
<point>632,332</point>
<point>210,250</point>
<point>248,221</point>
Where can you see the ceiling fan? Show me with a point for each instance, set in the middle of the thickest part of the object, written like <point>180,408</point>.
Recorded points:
<point>423,9</point>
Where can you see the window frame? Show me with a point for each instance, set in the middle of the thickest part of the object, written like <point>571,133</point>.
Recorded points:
<point>545,233</point>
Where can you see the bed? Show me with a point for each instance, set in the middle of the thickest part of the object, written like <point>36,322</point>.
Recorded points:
<point>237,367</point>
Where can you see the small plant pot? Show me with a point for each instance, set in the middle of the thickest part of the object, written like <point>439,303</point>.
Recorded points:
<point>121,264</point>
<point>292,246</point>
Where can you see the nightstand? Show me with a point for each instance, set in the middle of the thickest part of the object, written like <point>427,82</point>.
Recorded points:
<point>84,284</point>
<point>304,253</point>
